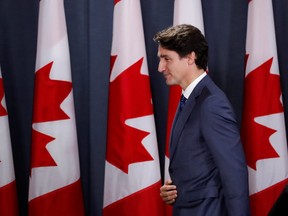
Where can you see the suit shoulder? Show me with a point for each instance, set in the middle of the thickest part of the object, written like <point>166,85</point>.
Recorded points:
<point>212,92</point>
<point>213,98</point>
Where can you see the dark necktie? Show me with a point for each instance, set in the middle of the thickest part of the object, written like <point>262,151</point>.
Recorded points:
<point>182,102</point>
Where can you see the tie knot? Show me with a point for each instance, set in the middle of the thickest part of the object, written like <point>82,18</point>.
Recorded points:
<point>182,102</point>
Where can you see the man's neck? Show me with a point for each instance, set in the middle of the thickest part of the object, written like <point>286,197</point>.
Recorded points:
<point>193,76</point>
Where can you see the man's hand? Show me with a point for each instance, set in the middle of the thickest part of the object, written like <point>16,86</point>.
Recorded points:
<point>168,192</point>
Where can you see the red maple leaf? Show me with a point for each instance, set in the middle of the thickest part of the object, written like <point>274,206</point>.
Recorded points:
<point>48,96</point>
<point>116,1</point>
<point>40,157</point>
<point>129,97</point>
<point>3,111</point>
<point>262,97</point>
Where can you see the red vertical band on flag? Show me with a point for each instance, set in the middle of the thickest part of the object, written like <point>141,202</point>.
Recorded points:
<point>8,200</point>
<point>64,201</point>
<point>143,202</point>
<point>267,197</point>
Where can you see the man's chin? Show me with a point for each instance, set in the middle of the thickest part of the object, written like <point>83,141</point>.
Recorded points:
<point>170,82</point>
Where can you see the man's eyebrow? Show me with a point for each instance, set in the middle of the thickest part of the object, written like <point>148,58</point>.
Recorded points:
<point>163,56</point>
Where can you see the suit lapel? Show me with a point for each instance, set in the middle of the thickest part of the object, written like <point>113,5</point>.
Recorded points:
<point>181,117</point>
<point>179,123</point>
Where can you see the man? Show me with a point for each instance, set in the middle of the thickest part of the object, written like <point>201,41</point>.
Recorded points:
<point>207,163</point>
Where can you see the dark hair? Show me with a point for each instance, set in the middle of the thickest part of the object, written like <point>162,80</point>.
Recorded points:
<point>184,39</point>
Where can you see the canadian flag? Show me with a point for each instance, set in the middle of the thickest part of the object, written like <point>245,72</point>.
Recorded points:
<point>263,128</point>
<point>55,187</point>
<point>132,173</point>
<point>8,194</point>
<point>185,12</point>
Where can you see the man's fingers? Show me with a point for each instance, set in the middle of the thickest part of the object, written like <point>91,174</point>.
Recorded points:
<point>168,182</point>
<point>167,188</point>
<point>169,197</point>
<point>168,193</point>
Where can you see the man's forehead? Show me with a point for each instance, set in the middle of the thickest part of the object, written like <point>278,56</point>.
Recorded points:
<point>162,52</point>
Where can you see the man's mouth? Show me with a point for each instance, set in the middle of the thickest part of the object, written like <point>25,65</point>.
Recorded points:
<point>166,75</point>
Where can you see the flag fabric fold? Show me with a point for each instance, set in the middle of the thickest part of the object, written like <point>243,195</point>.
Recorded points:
<point>263,127</point>
<point>8,192</point>
<point>132,172</point>
<point>55,187</point>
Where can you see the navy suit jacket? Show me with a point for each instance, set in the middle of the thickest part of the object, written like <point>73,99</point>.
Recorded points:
<point>207,162</point>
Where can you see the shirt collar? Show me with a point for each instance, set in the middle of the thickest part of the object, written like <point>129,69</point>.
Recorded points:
<point>192,85</point>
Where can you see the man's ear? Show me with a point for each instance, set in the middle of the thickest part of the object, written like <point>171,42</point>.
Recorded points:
<point>191,58</point>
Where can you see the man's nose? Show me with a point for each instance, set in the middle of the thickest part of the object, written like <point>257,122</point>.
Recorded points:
<point>161,67</point>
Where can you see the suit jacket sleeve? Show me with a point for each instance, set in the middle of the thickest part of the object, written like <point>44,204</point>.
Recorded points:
<point>221,133</point>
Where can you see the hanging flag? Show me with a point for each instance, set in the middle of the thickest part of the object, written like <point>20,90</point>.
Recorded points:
<point>185,12</point>
<point>132,173</point>
<point>8,194</point>
<point>55,187</point>
<point>263,128</point>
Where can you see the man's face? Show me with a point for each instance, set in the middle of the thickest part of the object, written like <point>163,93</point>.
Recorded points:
<point>174,69</point>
